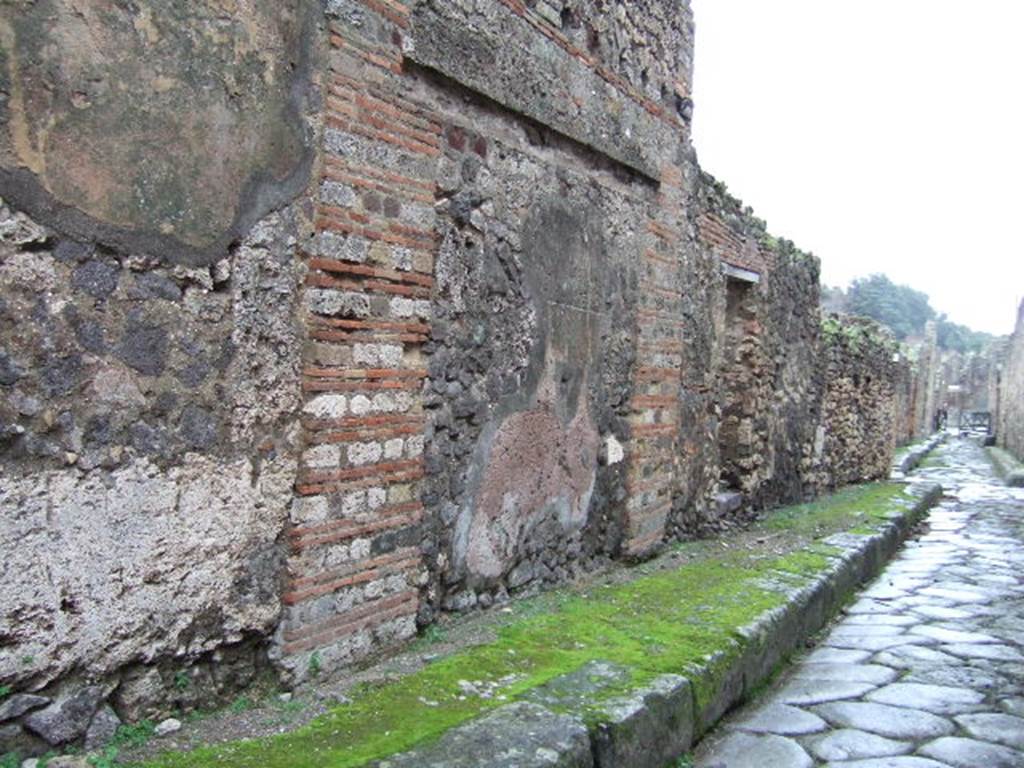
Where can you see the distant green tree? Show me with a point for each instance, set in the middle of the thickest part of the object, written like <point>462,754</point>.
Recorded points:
<point>900,307</point>
<point>960,338</point>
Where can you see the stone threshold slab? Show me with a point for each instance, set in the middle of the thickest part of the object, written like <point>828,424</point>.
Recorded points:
<point>659,722</point>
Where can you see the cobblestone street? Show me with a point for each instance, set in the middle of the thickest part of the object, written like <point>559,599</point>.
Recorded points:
<point>926,669</point>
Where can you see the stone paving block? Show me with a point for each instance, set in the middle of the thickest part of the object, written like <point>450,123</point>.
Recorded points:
<point>860,673</point>
<point>1013,706</point>
<point>912,656</point>
<point>891,619</point>
<point>884,720</point>
<point>940,612</point>
<point>945,635</point>
<point>646,729</point>
<point>937,699</point>
<point>990,652</point>
<point>878,642</point>
<point>780,719</point>
<point>748,750</point>
<point>957,676</point>
<point>851,744</point>
<point>995,727</point>
<point>907,761</point>
<point>575,690</point>
<point>968,753</point>
<point>801,692</point>
<point>830,655</point>
<point>872,629</point>
<point>520,735</point>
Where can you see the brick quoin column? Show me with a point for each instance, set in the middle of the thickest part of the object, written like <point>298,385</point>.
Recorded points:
<point>655,423</point>
<point>355,567</point>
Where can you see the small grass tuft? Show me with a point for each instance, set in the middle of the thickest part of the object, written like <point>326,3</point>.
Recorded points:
<point>134,734</point>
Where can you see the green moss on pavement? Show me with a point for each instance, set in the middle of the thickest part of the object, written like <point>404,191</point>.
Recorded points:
<point>682,620</point>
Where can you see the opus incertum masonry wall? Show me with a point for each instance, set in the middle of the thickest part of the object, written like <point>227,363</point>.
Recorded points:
<point>321,319</point>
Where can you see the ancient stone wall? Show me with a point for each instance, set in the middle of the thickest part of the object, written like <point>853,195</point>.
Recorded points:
<point>762,379</point>
<point>1010,423</point>
<point>414,307</point>
<point>903,409</point>
<point>860,425</point>
<point>153,162</point>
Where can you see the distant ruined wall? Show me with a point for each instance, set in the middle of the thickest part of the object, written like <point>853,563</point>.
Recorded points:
<point>321,319</point>
<point>1010,427</point>
<point>860,422</point>
<point>905,428</point>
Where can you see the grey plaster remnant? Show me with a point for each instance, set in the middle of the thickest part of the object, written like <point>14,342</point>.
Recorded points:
<point>98,184</point>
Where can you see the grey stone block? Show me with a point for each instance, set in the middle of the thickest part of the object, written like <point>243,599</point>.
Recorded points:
<point>648,728</point>
<point>522,735</point>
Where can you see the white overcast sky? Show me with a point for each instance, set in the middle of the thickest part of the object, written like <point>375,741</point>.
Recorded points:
<point>883,135</point>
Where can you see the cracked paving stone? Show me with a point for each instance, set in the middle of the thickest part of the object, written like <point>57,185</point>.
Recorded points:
<point>858,673</point>
<point>811,691</point>
<point>747,750</point>
<point>990,652</point>
<point>781,720</point>
<point>968,753</point>
<point>851,744</point>
<point>937,699</point>
<point>994,727</point>
<point>885,720</point>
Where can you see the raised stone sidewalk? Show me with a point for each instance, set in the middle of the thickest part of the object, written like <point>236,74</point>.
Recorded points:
<point>927,668</point>
<point>656,726</point>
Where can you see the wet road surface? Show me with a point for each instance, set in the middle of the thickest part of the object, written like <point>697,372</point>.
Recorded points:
<point>926,669</point>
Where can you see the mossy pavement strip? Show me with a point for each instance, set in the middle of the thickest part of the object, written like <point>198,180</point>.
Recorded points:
<point>669,621</point>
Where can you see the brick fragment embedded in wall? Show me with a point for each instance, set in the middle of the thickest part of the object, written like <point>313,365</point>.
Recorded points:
<point>355,565</point>
<point>733,247</point>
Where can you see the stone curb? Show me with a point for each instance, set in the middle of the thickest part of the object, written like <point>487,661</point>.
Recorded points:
<point>917,453</point>
<point>655,724</point>
<point>1008,468</point>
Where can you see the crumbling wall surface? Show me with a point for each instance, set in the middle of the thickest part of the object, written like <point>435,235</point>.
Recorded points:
<point>763,381</point>
<point>903,408</point>
<point>928,364</point>
<point>1010,430</point>
<point>859,423</point>
<point>494,296</point>
<point>506,335</point>
<point>149,348</point>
